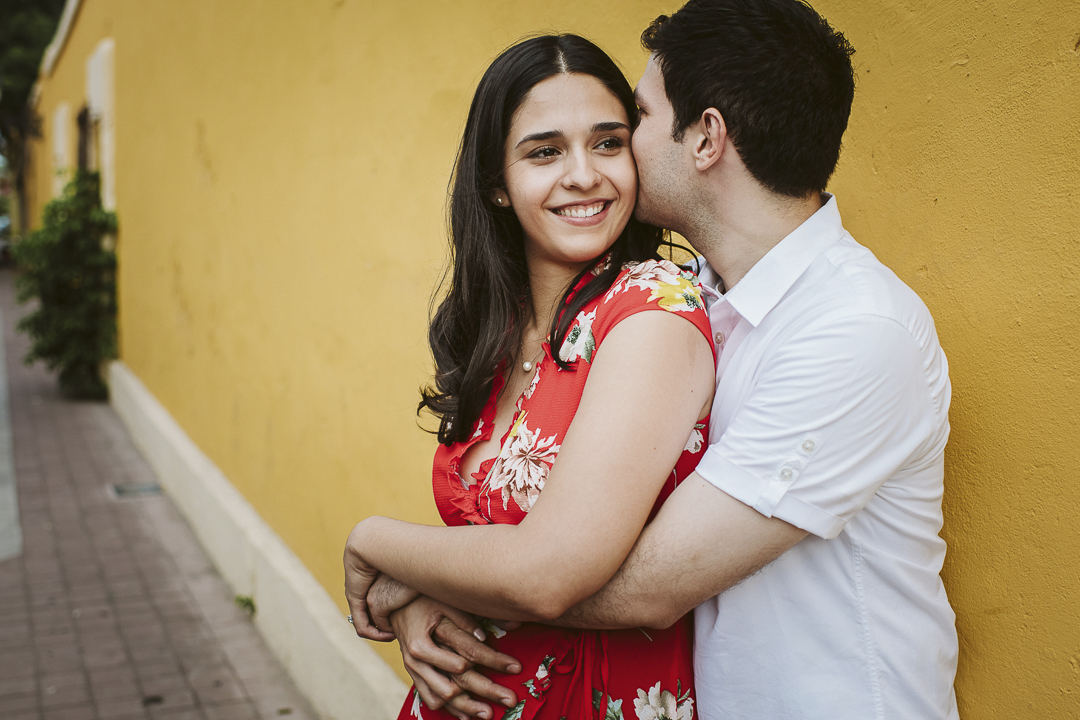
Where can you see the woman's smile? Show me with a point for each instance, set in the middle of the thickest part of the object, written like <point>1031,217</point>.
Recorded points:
<point>569,171</point>
<point>584,213</point>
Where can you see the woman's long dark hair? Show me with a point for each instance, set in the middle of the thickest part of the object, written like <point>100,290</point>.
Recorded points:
<point>477,325</point>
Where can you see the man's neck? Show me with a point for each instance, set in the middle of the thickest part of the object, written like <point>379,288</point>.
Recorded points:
<point>745,227</point>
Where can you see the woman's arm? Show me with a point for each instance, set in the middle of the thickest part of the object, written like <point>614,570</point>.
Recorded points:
<point>647,387</point>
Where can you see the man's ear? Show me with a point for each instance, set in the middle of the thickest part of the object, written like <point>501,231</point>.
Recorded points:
<point>710,139</point>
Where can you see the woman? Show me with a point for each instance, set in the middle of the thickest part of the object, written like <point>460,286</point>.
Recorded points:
<point>545,347</point>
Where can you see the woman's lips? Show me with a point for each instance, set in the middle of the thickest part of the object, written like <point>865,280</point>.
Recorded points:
<point>584,214</point>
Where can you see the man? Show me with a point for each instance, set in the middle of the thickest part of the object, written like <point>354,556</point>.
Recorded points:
<point>808,537</point>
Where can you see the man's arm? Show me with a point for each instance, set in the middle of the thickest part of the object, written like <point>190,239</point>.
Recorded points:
<point>701,542</point>
<point>841,393</point>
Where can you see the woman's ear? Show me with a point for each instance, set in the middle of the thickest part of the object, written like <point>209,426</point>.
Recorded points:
<point>500,198</point>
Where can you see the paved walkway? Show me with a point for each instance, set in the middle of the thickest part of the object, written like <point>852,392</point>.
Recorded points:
<point>113,611</point>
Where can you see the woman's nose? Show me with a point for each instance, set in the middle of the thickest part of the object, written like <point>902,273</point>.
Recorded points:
<point>581,172</point>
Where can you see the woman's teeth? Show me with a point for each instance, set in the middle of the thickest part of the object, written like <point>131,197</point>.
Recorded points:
<point>580,211</point>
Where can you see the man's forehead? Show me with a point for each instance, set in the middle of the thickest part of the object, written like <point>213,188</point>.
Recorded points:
<point>649,88</point>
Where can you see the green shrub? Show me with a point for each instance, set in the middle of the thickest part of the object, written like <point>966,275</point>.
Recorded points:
<point>66,268</point>
<point>245,603</point>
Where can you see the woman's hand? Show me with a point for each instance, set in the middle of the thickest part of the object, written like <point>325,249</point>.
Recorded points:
<point>359,577</point>
<point>440,645</point>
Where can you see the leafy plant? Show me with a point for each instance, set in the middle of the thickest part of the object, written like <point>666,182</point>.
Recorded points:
<point>26,27</point>
<point>67,269</point>
<point>245,603</point>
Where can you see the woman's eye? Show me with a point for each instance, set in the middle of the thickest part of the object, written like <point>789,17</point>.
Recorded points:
<point>610,144</point>
<point>544,153</point>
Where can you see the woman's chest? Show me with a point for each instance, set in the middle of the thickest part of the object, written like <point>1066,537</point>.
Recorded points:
<point>531,444</point>
<point>518,443</point>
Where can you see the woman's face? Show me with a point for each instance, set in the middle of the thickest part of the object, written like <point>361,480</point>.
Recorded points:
<point>569,171</point>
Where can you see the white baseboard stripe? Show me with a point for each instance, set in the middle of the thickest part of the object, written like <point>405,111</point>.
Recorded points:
<point>342,677</point>
<point>11,543</point>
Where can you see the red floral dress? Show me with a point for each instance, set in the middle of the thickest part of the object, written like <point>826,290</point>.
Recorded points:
<point>575,674</point>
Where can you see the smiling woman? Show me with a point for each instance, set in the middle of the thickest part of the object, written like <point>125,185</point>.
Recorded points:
<point>569,173</point>
<point>568,410</point>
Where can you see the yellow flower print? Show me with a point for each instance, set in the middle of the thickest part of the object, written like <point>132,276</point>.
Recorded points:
<point>673,287</point>
<point>680,296</point>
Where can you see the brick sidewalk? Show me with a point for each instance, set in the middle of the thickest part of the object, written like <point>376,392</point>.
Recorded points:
<point>113,611</point>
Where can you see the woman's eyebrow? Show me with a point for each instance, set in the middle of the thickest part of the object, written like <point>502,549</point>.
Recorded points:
<point>549,134</point>
<point>546,135</point>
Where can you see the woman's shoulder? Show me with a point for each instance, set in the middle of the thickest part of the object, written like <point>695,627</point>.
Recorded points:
<point>639,286</point>
<point>660,283</point>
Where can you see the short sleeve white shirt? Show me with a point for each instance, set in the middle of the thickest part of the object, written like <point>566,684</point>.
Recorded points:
<point>831,413</point>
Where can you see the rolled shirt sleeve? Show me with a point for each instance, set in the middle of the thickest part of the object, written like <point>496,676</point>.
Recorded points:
<point>834,410</point>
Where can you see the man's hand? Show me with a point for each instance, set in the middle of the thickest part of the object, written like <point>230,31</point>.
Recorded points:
<point>440,645</point>
<point>386,596</point>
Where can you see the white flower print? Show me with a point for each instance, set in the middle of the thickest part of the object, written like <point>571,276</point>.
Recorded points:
<point>662,705</point>
<point>674,288</point>
<point>417,703</point>
<point>479,429</point>
<point>601,266</point>
<point>522,465</point>
<point>579,342</point>
<point>490,627</point>
<point>647,276</point>
<point>532,386</point>
<point>693,445</point>
<point>539,685</point>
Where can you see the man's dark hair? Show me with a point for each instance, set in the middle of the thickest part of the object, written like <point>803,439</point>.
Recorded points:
<point>777,72</point>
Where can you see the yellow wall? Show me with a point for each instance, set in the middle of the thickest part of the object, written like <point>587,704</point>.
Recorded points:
<point>282,168</point>
<point>961,169</point>
<point>281,176</point>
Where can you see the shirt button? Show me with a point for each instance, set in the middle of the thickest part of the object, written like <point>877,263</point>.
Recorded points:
<point>786,474</point>
<point>719,338</point>
<point>808,445</point>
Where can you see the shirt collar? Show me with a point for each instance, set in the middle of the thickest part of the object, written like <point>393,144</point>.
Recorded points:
<point>772,276</point>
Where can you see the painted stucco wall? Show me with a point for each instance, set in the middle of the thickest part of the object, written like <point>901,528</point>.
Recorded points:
<point>281,171</point>
<point>961,169</point>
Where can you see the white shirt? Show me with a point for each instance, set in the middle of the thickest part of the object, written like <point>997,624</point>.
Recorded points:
<point>831,412</point>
